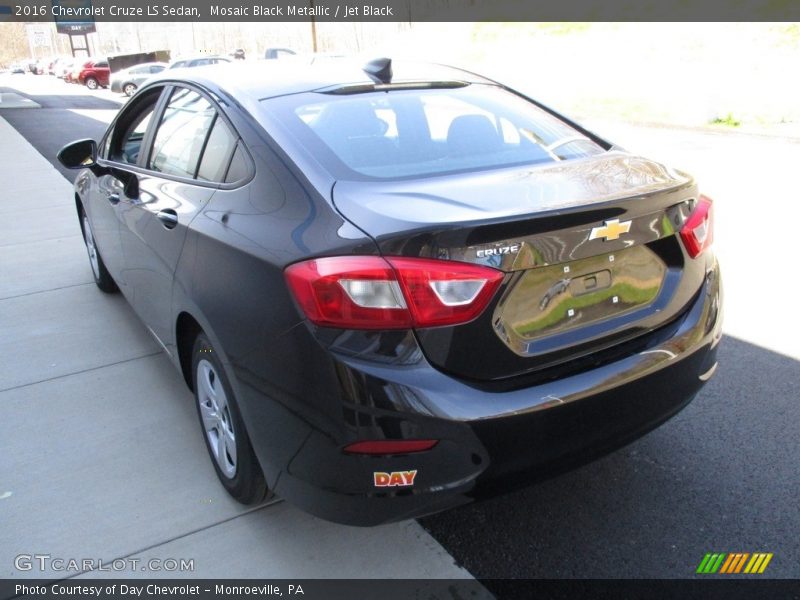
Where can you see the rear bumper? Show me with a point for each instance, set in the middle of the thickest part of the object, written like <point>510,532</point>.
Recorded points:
<point>116,85</point>
<point>489,442</point>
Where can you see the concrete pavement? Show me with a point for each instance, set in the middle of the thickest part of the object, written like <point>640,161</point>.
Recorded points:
<point>103,455</point>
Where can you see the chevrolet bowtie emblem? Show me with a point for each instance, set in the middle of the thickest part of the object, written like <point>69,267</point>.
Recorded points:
<point>611,230</point>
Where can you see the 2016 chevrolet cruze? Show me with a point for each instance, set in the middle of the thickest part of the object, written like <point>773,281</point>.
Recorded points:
<point>392,288</point>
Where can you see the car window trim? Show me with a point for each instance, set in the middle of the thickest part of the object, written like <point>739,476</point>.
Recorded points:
<point>205,143</point>
<point>248,159</point>
<point>112,129</point>
<point>149,136</point>
<point>211,97</point>
<point>157,113</point>
<point>163,108</point>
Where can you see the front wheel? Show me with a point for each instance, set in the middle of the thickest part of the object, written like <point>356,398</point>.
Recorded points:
<point>101,275</point>
<point>226,438</point>
<point>91,83</point>
<point>129,89</point>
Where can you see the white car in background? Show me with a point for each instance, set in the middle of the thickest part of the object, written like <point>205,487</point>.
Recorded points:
<point>128,80</point>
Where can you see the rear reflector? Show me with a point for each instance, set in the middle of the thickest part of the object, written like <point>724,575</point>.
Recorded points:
<point>384,447</point>
<point>698,231</point>
<point>371,292</point>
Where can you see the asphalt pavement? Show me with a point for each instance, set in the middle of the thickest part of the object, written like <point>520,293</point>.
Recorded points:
<point>721,476</point>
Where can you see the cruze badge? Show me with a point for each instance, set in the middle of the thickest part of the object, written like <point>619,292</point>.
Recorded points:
<point>497,251</point>
<point>611,230</point>
<point>394,479</point>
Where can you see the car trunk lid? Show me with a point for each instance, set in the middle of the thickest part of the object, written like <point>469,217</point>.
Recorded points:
<point>588,247</point>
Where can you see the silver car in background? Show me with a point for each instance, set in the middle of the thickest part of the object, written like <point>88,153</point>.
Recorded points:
<point>128,80</point>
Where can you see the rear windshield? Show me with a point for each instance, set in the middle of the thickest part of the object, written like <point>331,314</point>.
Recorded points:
<point>413,133</point>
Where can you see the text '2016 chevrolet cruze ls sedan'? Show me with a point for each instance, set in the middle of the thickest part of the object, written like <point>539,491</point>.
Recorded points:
<point>395,288</point>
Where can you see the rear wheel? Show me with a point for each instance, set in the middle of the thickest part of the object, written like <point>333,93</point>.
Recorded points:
<point>91,83</point>
<point>101,275</point>
<point>129,89</point>
<point>226,438</point>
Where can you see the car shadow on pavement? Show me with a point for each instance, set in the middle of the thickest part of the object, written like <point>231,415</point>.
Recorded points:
<point>48,131</point>
<point>66,101</point>
<point>721,476</point>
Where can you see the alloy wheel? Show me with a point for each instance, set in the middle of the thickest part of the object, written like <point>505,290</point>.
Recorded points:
<point>90,247</point>
<point>216,415</point>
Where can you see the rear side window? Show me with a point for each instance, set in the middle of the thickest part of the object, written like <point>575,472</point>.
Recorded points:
<point>217,153</point>
<point>181,134</point>
<point>240,166</point>
<point>413,133</point>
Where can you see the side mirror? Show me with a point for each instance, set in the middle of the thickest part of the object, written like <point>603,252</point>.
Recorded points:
<point>79,155</point>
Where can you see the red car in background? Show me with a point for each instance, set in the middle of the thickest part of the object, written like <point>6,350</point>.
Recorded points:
<point>93,74</point>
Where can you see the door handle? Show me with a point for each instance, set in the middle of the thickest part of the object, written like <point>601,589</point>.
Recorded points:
<point>168,218</point>
<point>113,197</point>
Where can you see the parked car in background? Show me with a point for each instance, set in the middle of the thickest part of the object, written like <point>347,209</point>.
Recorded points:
<point>71,75</point>
<point>199,61</point>
<point>63,67</point>
<point>93,74</point>
<point>275,53</point>
<point>394,288</point>
<point>128,81</point>
<point>18,69</point>
<point>53,66</point>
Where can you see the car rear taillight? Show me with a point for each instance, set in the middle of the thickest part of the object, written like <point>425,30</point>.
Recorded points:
<point>698,231</point>
<point>371,292</point>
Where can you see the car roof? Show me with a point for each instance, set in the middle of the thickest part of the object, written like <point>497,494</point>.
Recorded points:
<point>260,80</point>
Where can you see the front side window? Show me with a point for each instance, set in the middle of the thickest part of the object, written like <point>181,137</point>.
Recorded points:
<point>124,143</point>
<point>407,133</point>
<point>181,134</point>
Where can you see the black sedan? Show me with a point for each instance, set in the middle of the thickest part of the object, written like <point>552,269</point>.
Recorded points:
<point>393,289</point>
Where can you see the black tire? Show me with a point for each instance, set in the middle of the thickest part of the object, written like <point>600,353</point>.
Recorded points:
<point>129,89</point>
<point>91,83</point>
<point>246,484</point>
<point>101,275</point>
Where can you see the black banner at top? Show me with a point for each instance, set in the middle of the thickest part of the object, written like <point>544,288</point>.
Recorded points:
<point>396,10</point>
